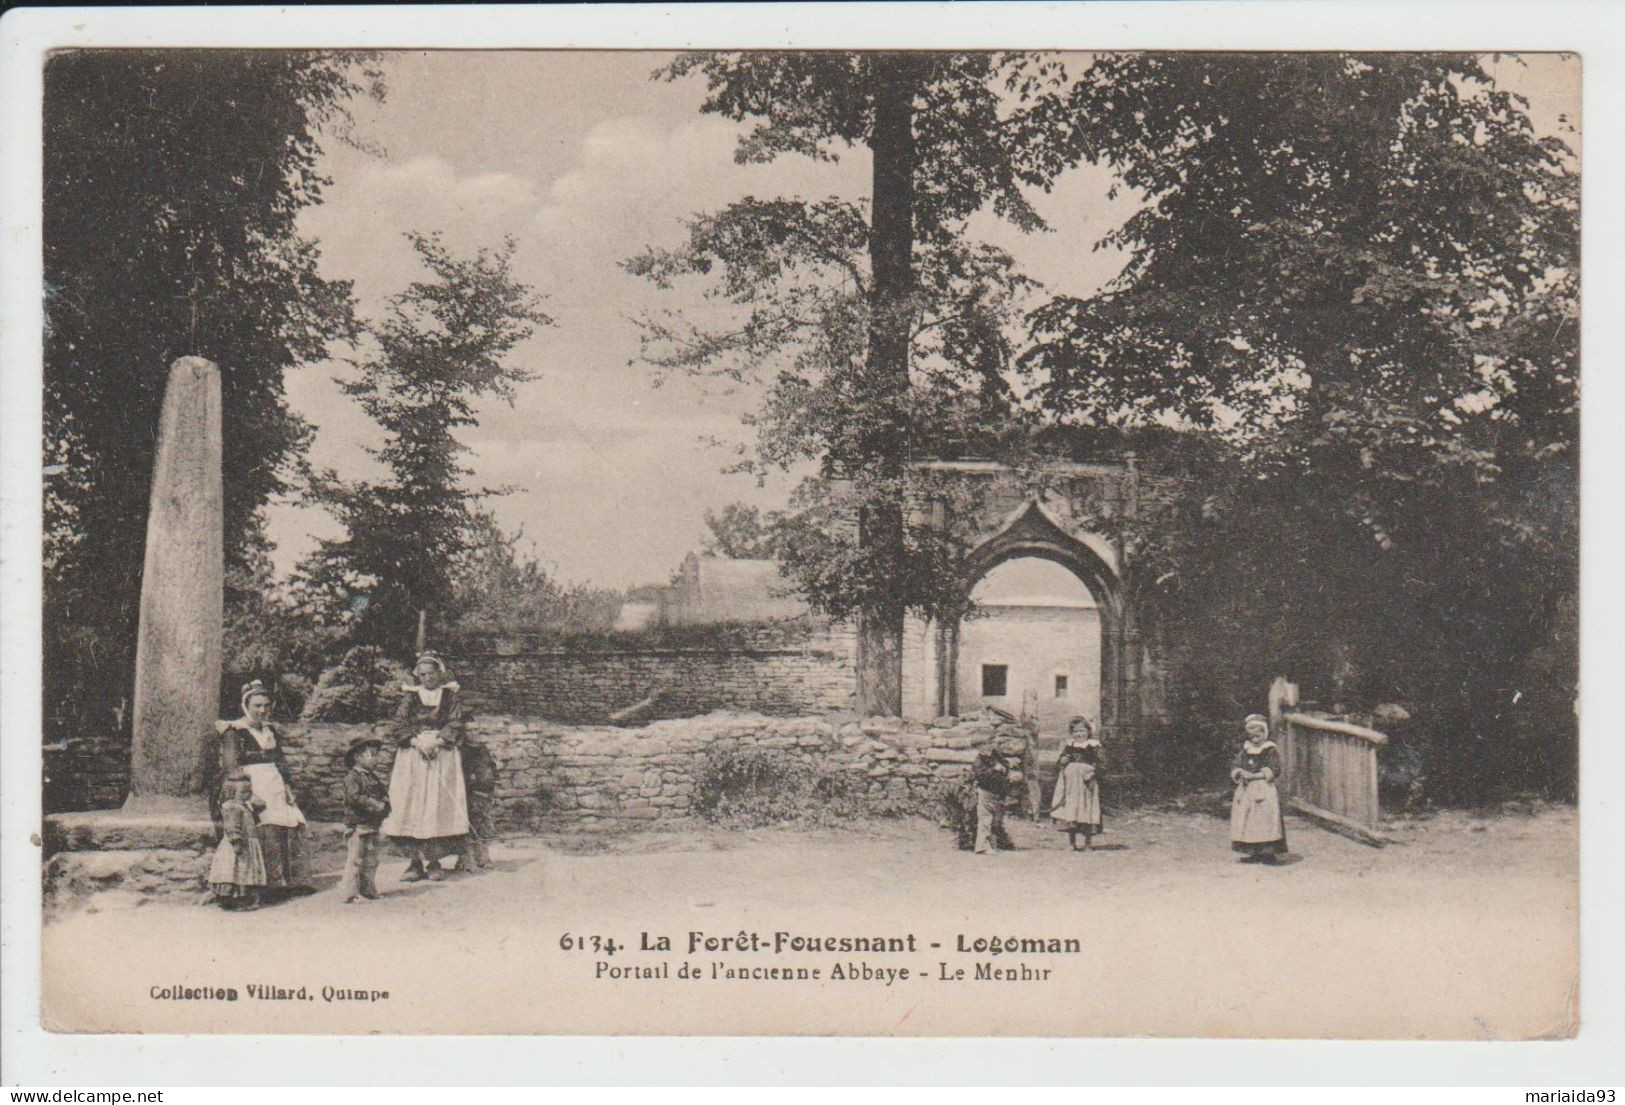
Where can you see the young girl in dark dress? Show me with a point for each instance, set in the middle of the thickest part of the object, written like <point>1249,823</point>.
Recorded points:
<point>1257,828</point>
<point>1076,805</point>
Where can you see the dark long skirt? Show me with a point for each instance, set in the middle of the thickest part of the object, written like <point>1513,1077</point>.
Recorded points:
<point>1267,848</point>
<point>434,848</point>
<point>287,868</point>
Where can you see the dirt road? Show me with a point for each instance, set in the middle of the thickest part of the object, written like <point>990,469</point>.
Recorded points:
<point>1466,927</point>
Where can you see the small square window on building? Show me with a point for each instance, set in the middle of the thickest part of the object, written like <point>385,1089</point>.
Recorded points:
<point>1060,686</point>
<point>995,680</point>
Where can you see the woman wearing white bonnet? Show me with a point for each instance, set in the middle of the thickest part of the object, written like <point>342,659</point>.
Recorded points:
<point>249,745</point>
<point>427,799</point>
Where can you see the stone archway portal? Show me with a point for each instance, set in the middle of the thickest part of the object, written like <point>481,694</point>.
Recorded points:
<point>1034,534</point>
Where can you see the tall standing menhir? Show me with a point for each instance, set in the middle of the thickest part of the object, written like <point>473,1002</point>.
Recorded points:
<point>177,660</point>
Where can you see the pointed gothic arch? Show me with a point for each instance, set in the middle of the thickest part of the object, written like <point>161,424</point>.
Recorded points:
<point>1033,531</point>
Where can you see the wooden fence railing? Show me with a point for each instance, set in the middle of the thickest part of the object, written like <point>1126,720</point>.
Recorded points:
<point>1328,768</point>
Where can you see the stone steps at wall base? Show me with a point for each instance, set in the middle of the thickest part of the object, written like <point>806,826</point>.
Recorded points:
<point>106,860</point>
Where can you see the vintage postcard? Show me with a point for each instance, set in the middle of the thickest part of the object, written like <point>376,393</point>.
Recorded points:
<point>835,543</point>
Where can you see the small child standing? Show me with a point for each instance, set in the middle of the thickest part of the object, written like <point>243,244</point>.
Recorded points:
<point>1076,806</point>
<point>238,870</point>
<point>366,804</point>
<point>1257,829</point>
<point>991,773</point>
<point>480,779</point>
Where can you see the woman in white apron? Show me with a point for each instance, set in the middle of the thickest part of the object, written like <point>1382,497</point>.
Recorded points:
<point>1257,828</point>
<point>249,745</point>
<point>427,798</point>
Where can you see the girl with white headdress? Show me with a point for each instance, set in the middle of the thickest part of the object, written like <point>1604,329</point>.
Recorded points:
<point>1257,829</point>
<point>427,798</point>
<point>249,746</point>
<point>1076,805</point>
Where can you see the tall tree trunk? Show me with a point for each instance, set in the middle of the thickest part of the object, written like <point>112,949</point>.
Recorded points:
<point>894,78</point>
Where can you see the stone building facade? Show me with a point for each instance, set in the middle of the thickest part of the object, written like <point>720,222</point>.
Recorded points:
<point>1046,657</point>
<point>1081,653</point>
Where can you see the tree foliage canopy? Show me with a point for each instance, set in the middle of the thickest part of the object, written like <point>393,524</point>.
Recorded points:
<point>172,185</point>
<point>741,532</point>
<point>806,311</point>
<point>977,144</point>
<point>1361,274</point>
<point>497,585</point>
<point>443,345</point>
<point>1376,232</point>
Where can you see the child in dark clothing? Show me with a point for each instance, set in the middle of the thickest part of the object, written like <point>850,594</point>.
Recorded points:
<point>1076,806</point>
<point>480,777</point>
<point>1257,829</point>
<point>366,804</point>
<point>991,774</point>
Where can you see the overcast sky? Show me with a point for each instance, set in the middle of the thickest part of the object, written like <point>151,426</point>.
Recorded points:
<point>586,161</point>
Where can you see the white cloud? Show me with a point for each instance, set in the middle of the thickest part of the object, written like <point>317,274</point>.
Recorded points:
<point>372,203</point>
<point>591,443</point>
<point>637,178</point>
<point>433,178</point>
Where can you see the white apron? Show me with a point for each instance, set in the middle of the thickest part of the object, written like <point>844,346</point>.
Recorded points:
<point>1077,795</point>
<point>1255,813</point>
<point>272,789</point>
<point>427,795</point>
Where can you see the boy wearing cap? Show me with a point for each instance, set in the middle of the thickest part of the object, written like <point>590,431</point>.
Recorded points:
<point>991,774</point>
<point>366,804</point>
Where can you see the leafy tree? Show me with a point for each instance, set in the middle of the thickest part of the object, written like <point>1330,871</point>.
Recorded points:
<point>444,344</point>
<point>1361,273</point>
<point>172,182</point>
<point>743,532</point>
<point>879,330</point>
<point>271,635</point>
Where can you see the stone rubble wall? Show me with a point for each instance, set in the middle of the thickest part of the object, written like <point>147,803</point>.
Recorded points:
<point>553,776</point>
<point>784,669</point>
<point>86,772</point>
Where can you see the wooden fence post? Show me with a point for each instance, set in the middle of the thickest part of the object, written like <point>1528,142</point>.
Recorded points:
<point>1283,695</point>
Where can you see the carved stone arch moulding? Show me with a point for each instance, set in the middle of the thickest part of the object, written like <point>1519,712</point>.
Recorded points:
<point>1033,531</point>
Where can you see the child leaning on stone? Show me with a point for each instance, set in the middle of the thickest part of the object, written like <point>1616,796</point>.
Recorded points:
<point>480,780</point>
<point>238,870</point>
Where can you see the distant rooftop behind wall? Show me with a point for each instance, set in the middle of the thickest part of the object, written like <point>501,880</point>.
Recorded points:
<point>709,590</point>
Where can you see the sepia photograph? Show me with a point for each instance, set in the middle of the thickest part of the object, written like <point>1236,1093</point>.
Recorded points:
<point>995,543</point>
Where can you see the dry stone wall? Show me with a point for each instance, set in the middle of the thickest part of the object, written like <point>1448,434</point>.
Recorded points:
<point>86,772</point>
<point>775,669</point>
<point>554,776</point>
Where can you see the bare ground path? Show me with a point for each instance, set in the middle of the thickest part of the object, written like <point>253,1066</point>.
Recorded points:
<point>1465,928</point>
